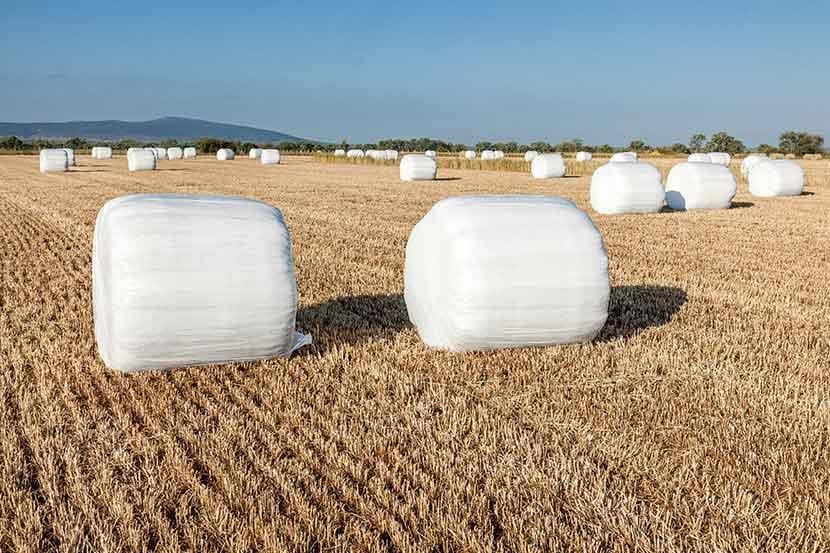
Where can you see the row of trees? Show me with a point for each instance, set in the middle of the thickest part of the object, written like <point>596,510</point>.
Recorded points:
<point>790,142</point>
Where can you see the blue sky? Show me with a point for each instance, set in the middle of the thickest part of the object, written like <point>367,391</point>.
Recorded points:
<point>458,70</point>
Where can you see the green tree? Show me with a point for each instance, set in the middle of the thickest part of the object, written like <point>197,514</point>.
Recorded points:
<point>767,149</point>
<point>484,146</point>
<point>540,146</point>
<point>679,148</point>
<point>638,146</point>
<point>722,142</point>
<point>800,143</point>
<point>696,142</point>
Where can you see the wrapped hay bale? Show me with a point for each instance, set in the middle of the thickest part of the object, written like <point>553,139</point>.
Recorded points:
<point>70,156</point>
<point>776,178</point>
<point>489,272</point>
<point>185,280</point>
<point>720,158</point>
<point>141,160</point>
<point>530,155</point>
<point>270,157</point>
<point>623,157</point>
<point>392,155</point>
<point>175,153</point>
<point>627,188</point>
<point>340,153</point>
<point>498,154</point>
<point>225,154</point>
<point>751,161</point>
<point>54,161</point>
<point>584,156</point>
<point>696,185</point>
<point>189,153</point>
<point>104,152</point>
<point>468,154</point>
<point>161,153</point>
<point>355,154</point>
<point>547,166</point>
<point>152,151</point>
<point>255,153</point>
<point>431,153</point>
<point>418,167</point>
<point>488,155</point>
<point>700,158</point>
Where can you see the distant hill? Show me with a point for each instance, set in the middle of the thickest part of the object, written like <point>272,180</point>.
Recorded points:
<point>166,128</point>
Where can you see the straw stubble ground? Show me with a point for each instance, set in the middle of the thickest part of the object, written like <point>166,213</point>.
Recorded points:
<point>699,420</point>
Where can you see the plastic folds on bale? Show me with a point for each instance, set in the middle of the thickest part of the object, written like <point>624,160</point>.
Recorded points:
<point>627,188</point>
<point>185,280</point>
<point>694,185</point>
<point>751,161</point>
<point>270,157</point>
<point>469,154</point>
<point>776,178</point>
<point>531,155</point>
<point>721,158</point>
<point>53,161</point>
<point>141,160</point>
<point>392,155</point>
<point>355,154</point>
<point>547,166</point>
<point>498,154</point>
<point>584,156</point>
<point>189,153</point>
<point>418,167</point>
<point>102,152</point>
<point>623,157</point>
<point>70,156</point>
<point>175,153</point>
<point>431,153</point>
<point>255,153</point>
<point>489,272</point>
<point>700,158</point>
<point>225,154</point>
<point>161,153</point>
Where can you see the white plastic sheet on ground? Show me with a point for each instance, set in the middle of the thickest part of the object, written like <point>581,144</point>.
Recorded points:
<point>418,167</point>
<point>776,178</point>
<point>431,153</point>
<point>225,154</point>
<point>751,161</point>
<point>697,185</point>
<point>584,156</point>
<point>468,154</point>
<point>547,166</point>
<point>189,153</point>
<point>530,155</point>
<point>141,160</point>
<point>355,153</point>
<point>488,272</point>
<point>270,157</point>
<point>721,158</point>
<point>627,188</point>
<point>700,158</point>
<point>175,153</point>
<point>53,161</point>
<point>255,153</point>
<point>186,280</point>
<point>623,157</point>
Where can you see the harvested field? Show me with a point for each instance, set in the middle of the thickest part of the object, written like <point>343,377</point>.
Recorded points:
<point>699,420</point>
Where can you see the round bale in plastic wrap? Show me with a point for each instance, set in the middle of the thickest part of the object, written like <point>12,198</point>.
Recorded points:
<point>225,154</point>
<point>488,155</point>
<point>355,153</point>
<point>720,158</point>
<point>255,153</point>
<point>547,166</point>
<point>776,178</point>
<point>431,153</point>
<point>189,153</point>
<point>183,280</point>
<point>700,158</point>
<point>175,153</point>
<point>696,185</point>
<point>53,161</point>
<point>623,157</point>
<point>627,188</point>
<point>161,153</point>
<point>70,156</point>
<point>469,154</point>
<point>584,156</point>
<point>339,153</point>
<point>270,157</point>
<point>751,161</point>
<point>418,167</point>
<point>489,272</point>
<point>141,160</point>
<point>530,155</point>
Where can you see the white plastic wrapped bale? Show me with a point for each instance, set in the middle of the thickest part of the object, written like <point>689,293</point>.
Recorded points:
<point>355,153</point>
<point>188,280</point>
<point>751,161</point>
<point>392,155</point>
<point>489,272</point>
<point>377,155</point>
<point>627,188</point>
<point>469,154</point>
<point>776,178</point>
<point>721,158</point>
<point>104,152</point>
<point>498,154</point>
<point>340,153</point>
<point>255,153</point>
<point>141,160</point>
<point>700,158</point>
<point>488,155</point>
<point>584,156</point>
<point>623,157</point>
<point>175,153</point>
<point>531,155</point>
<point>94,152</point>
<point>696,185</point>
<point>431,153</point>
<point>53,161</point>
<point>161,153</point>
<point>418,167</point>
<point>189,153</point>
<point>270,157</point>
<point>152,151</point>
<point>70,156</point>
<point>225,154</point>
<point>547,166</point>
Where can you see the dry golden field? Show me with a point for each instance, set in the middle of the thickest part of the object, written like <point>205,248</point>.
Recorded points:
<point>699,420</point>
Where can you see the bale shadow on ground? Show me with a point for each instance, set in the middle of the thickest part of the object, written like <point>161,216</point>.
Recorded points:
<point>632,309</point>
<point>446,178</point>
<point>741,205</point>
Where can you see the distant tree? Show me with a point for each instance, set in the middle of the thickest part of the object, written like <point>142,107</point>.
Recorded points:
<point>512,147</point>
<point>12,143</point>
<point>679,148</point>
<point>800,143</point>
<point>76,143</point>
<point>767,149</point>
<point>484,146</point>
<point>722,142</point>
<point>540,146</point>
<point>605,149</point>
<point>697,142</point>
<point>638,146</point>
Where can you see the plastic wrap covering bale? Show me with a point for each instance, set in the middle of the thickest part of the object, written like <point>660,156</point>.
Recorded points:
<point>547,166</point>
<point>720,158</point>
<point>104,152</point>
<point>418,167</point>
<point>161,153</point>
<point>225,154</point>
<point>53,161</point>
<point>189,153</point>
<point>751,161</point>
<point>531,155</point>
<point>70,156</point>
<point>152,151</point>
<point>355,154</point>
<point>392,155</point>
<point>700,158</point>
<point>488,272</point>
<point>627,188</point>
<point>488,155</point>
<point>468,154</point>
<point>696,185</point>
<point>584,156</point>
<point>94,152</point>
<point>623,157</point>
<point>186,280</point>
<point>255,153</point>
<point>377,155</point>
<point>776,178</point>
<point>498,154</point>
<point>270,157</point>
<point>141,160</point>
<point>339,153</point>
<point>431,153</point>
<point>175,153</point>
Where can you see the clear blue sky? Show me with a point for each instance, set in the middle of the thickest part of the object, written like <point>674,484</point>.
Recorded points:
<point>459,70</point>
